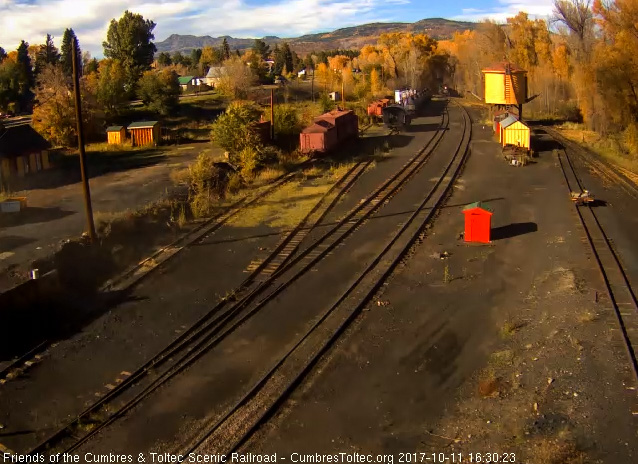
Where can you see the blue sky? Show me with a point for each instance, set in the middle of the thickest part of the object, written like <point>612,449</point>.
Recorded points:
<point>33,19</point>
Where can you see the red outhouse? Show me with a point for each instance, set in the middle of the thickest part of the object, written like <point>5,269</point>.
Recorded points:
<point>478,222</point>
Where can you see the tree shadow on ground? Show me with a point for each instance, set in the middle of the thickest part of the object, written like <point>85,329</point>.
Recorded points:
<point>33,215</point>
<point>67,167</point>
<point>11,242</point>
<point>513,230</point>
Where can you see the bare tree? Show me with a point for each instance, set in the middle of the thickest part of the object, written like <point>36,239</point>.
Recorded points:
<point>578,17</point>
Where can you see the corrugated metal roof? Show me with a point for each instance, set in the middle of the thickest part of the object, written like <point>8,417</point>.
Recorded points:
<point>183,80</point>
<point>508,121</point>
<point>114,128</point>
<point>479,204</point>
<point>142,124</point>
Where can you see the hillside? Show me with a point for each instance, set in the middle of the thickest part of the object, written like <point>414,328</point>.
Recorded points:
<point>348,37</point>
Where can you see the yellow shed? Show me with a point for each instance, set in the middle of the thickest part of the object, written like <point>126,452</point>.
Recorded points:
<point>505,84</point>
<point>514,132</point>
<point>145,133</point>
<point>116,135</point>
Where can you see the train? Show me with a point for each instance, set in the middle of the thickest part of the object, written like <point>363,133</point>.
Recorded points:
<point>408,101</point>
<point>329,131</point>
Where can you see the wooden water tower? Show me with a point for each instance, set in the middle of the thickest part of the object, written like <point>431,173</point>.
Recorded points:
<point>506,86</point>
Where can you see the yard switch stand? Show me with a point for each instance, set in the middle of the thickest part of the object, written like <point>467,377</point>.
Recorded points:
<point>78,116</point>
<point>478,222</point>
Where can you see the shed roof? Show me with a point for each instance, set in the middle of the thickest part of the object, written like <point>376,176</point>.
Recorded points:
<point>142,124</point>
<point>501,68</point>
<point>183,80</point>
<point>478,205</point>
<point>508,121</point>
<point>114,128</point>
<point>21,140</point>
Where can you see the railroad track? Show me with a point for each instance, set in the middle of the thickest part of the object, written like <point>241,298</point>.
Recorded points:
<point>134,274</point>
<point>229,314</point>
<point>227,433</point>
<point>621,294</point>
<point>609,175</point>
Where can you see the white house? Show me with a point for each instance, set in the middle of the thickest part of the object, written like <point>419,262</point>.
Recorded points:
<point>215,74</point>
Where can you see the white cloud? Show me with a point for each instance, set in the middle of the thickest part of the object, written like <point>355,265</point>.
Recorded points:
<point>509,8</point>
<point>90,18</point>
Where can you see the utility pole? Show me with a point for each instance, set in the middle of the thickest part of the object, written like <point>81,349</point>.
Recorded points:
<point>312,84</point>
<point>272,114</point>
<point>78,115</point>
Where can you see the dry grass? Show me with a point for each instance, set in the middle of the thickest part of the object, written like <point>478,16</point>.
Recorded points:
<point>557,451</point>
<point>104,147</point>
<point>179,176</point>
<point>510,328</point>
<point>284,208</point>
<point>587,316</point>
<point>4,195</point>
<point>489,385</point>
<point>610,147</point>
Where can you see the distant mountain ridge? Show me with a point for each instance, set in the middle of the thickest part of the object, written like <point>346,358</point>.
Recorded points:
<point>347,37</point>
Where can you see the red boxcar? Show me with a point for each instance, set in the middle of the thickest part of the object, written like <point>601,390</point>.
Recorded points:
<point>345,121</point>
<point>321,137</point>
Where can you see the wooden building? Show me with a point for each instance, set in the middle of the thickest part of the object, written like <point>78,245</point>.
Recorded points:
<point>145,133</point>
<point>116,135</point>
<point>514,132</point>
<point>505,86</point>
<point>22,151</point>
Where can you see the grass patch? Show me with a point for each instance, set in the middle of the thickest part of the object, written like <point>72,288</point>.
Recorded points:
<point>285,207</point>
<point>502,358</point>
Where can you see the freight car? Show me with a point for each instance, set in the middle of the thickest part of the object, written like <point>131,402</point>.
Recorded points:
<point>396,117</point>
<point>329,131</point>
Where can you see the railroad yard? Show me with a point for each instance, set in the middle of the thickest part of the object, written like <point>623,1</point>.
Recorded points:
<point>368,325</point>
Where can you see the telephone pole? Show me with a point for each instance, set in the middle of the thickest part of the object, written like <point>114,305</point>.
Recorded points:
<point>78,116</point>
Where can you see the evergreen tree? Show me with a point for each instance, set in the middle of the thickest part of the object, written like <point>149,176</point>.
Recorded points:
<point>164,59</point>
<point>3,54</point>
<point>26,79</point>
<point>90,66</point>
<point>225,49</point>
<point>196,56</point>
<point>286,56</point>
<point>178,58</point>
<point>261,49</point>
<point>66,57</point>
<point>278,58</point>
<point>48,54</point>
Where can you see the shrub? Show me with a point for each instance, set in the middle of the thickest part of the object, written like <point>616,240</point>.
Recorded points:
<point>250,160</point>
<point>206,182</point>
<point>287,120</point>
<point>326,103</point>
<point>235,183</point>
<point>159,91</point>
<point>232,131</point>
